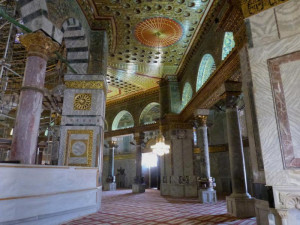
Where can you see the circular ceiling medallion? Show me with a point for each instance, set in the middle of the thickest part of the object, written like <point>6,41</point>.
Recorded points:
<point>158,32</point>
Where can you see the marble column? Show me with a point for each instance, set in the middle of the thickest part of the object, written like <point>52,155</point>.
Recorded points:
<point>206,192</point>
<point>111,180</point>
<point>138,186</point>
<point>240,204</point>
<point>24,143</point>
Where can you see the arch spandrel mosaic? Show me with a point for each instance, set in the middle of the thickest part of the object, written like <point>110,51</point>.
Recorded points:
<point>187,94</point>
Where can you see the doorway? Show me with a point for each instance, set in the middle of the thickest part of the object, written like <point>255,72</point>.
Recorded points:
<point>150,169</point>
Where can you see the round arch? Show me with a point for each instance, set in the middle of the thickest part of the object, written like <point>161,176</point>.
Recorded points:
<point>206,68</point>
<point>122,120</point>
<point>150,113</point>
<point>187,94</point>
<point>228,44</point>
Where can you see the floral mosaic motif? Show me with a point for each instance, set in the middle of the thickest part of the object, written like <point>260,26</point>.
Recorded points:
<point>123,120</point>
<point>206,68</point>
<point>228,44</point>
<point>186,94</point>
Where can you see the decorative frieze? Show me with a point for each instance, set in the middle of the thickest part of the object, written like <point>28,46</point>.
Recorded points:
<point>81,84</point>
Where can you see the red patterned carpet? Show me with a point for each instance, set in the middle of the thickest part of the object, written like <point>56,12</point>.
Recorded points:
<point>124,208</point>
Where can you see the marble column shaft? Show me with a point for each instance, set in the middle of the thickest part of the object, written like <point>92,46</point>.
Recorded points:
<point>203,145</point>
<point>138,157</point>
<point>236,153</point>
<point>24,142</point>
<point>111,161</point>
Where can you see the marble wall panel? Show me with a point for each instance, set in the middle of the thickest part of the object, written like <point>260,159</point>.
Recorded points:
<point>263,28</point>
<point>288,20</point>
<point>276,175</point>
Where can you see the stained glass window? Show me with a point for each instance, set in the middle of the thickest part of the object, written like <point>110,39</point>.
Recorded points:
<point>186,94</point>
<point>228,44</point>
<point>123,120</point>
<point>206,68</point>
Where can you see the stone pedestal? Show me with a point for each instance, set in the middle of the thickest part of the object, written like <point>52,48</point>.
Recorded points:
<point>207,196</point>
<point>24,142</point>
<point>138,188</point>
<point>242,207</point>
<point>110,186</point>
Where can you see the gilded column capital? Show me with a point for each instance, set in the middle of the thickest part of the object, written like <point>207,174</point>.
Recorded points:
<point>39,44</point>
<point>112,144</point>
<point>201,120</point>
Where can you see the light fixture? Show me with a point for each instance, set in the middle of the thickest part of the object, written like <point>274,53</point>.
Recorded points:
<point>160,148</point>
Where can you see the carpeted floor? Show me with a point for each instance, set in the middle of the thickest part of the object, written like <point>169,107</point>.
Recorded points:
<point>124,208</point>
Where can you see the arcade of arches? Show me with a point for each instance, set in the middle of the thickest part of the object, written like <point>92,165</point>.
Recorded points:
<point>88,87</point>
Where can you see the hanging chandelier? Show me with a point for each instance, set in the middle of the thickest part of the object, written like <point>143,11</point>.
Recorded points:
<point>160,148</point>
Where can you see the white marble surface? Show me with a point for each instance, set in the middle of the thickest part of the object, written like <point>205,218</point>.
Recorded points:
<point>269,45</point>
<point>48,193</point>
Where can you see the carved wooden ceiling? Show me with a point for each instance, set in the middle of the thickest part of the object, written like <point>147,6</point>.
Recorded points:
<point>148,39</point>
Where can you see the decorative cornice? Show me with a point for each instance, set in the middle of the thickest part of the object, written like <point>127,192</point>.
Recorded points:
<point>134,96</point>
<point>217,79</point>
<point>120,157</point>
<point>94,84</point>
<point>131,130</point>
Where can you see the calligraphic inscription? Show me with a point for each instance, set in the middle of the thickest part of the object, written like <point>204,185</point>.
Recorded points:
<point>252,7</point>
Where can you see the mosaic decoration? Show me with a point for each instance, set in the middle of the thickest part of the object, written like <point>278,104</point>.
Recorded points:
<point>150,114</point>
<point>138,59</point>
<point>228,44</point>
<point>123,120</point>
<point>206,68</point>
<point>75,157</point>
<point>158,32</point>
<point>187,94</point>
<point>251,7</point>
<point>83,101</point>
<point>85,84</point>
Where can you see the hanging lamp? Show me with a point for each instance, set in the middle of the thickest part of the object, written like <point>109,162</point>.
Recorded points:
<point>160,148</point>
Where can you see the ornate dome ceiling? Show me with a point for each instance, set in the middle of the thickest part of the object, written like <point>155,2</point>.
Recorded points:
<point>158,32</point>
<point>148,38</point>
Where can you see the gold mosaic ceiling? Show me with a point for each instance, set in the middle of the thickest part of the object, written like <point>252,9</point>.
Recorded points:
<point>148,38</point>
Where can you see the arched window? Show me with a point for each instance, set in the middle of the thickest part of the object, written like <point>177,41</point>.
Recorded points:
<point>228,44</point>
<point>150,113</point>
<point>206,68</point>
<point>123,120</point>
<point>187,94</point>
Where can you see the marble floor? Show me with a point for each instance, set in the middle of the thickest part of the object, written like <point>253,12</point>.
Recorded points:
<point>121,207</point>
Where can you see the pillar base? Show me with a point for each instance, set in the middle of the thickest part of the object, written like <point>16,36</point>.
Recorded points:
<point>240,207</point>
<point>110,186</point>
<point>138,188</point>
<point>207,196</point>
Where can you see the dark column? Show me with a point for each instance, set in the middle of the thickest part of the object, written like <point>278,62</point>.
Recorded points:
<point>110,184</point>
<point>138,186</point>
<point>24,142</point>
<point>239,203</point>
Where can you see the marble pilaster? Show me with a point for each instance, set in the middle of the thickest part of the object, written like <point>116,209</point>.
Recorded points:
<point>206,193</point>
<point>239,203</point>
<point>24,142</point>
<point>138,186</point>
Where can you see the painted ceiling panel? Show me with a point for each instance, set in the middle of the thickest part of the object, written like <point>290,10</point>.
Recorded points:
<point>149,38</point>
